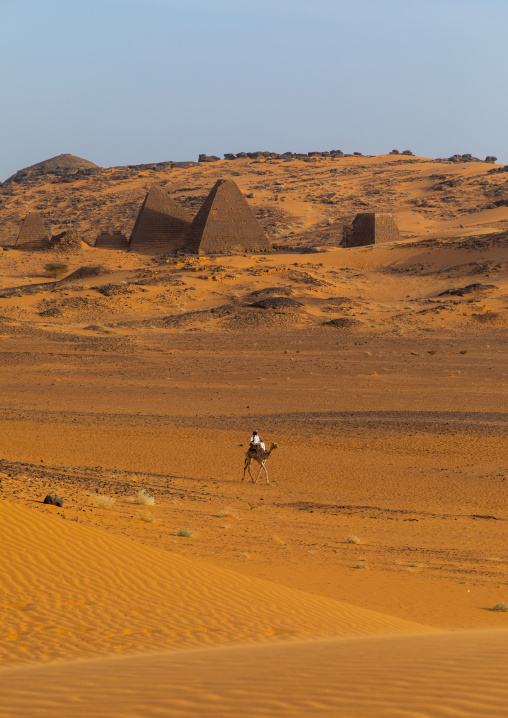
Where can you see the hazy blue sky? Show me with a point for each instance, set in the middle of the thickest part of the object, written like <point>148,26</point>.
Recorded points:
<point>131,81</point>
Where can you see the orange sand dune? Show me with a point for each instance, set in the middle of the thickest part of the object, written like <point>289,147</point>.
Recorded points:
<point>425,676</point>
<point>70,591</point>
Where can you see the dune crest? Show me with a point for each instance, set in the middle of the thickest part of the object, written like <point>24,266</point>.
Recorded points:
<point>431,676</point>
<point>71,591</point>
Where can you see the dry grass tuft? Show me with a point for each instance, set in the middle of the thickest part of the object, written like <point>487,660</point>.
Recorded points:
<point>146,516</point>
<point>353,539</point>
<point>226,511</point>
<point>278,540</point>
<point>143,498</point>
<point>185,533</point>
<point>103,502</point>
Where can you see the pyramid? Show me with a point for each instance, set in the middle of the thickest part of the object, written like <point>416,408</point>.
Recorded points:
<point>370,228</point>
<point>225,223</point>
<point>161,224</point>
<point>111,240</point>
<point>32,233</point>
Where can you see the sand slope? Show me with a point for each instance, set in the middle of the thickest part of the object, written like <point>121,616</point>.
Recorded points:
<point>69,591</point>
<point>462,674</point>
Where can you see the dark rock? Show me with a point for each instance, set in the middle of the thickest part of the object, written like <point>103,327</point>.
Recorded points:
<point>344,323</point>
<point>111,290</point>
<point>470,289</point>
<point>51,312</point>
<point>498,170</point>
<point>208,158</point>
<point>225,310</point>
<point>463,158</point>
<point>53,500</point>
<point>272,290</point>
<point>395,152</point>
<point>277,303</point>
<point>490,159</point>
<point>408,152</point>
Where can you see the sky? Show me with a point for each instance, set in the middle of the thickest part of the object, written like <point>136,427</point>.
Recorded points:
<point>135,81</point>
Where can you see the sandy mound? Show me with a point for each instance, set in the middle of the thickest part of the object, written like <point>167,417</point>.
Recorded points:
<point>63,163</point>
<point>70,591</point>
<point>462,674</point>
<point>499,319</point>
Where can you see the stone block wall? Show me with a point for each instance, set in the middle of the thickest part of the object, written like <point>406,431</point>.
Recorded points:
<point>370,228</point>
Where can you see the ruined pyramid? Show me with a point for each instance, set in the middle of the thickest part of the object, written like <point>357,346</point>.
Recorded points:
<point>111,240</point>
<point>32,233</point>
<point>161,224</point>
<point>225,223</point>
<point>370,228</point>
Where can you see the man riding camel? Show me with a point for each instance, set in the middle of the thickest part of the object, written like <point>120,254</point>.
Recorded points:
<point>255,442</point>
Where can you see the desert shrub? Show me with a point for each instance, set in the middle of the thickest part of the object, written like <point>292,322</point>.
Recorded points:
<point>143,498</point>
<point>56,269</point>
<point>353,539</point>
<point>103,502</point>
<point>146,516</point>
<point>501,607</point>
<point>185,533</point>
<point>360,565</point>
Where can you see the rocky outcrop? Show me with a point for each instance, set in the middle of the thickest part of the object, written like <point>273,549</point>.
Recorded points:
<point>344,323</point>
<point>277,303</point>
<point>53,500</point>
<point>475,288</point>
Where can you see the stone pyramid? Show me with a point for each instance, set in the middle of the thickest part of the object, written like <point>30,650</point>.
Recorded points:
<point>32,233</point>
<point>111,240</point>
<point>161,224</point>
<point>370,228</point>
<point>225,223</point>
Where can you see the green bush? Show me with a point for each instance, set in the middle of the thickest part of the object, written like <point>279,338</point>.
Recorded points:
<point>56,269</point>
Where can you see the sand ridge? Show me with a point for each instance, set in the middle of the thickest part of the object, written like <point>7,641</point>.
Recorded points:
<point>69,590</point>
<point>425,676</point>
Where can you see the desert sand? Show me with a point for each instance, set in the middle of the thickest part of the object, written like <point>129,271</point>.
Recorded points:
<point>361,580</point>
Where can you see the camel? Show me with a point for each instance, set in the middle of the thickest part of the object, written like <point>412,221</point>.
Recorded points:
<point>260,456</point>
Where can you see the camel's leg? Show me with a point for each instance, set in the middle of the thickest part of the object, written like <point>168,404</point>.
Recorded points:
<point>248,460</point>
<point>262,467</point>
<point>245,466</point>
